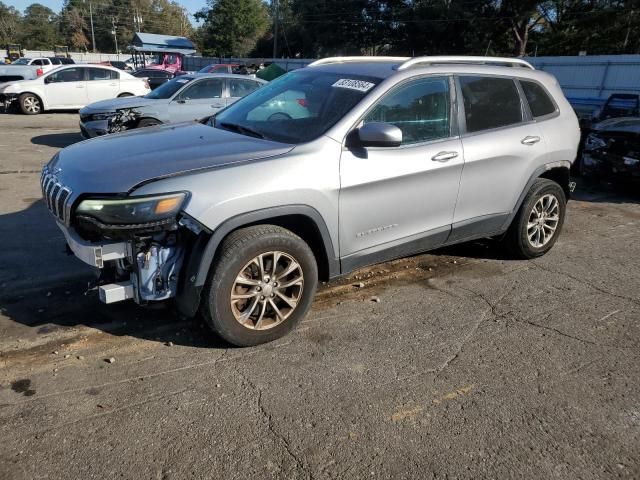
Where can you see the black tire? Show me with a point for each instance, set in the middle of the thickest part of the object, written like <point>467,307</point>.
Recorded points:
<point>236,252</point>
<point>123,95</point>
<point>516,239</point>
<point>30,104</point>
<point>148,122</point>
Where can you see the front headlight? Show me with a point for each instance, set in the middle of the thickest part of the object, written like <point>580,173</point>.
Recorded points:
<point>103,116</point>
<point>133,210</point>
<point>594,142</point>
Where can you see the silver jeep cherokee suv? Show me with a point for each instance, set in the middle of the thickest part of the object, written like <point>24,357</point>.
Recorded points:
<point>346,163</point>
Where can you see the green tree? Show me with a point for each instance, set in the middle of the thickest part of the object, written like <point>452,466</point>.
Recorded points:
<point>10,23</point>
<point>40,28</point>
<point>233,27</point>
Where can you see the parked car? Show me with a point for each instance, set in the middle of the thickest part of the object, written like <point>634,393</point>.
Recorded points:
<point>71,87</point>
<point>221,68</point>
<point>154,77</point>
<point>188,97</point>
<point>618,105</point>
<point>238,219</point>
<point>612,150</point>
<point>44,63</point>
<point>118,64</point>
<point>13,72</point>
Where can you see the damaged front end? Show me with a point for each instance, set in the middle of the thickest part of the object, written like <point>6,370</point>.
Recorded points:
<point>99,124</point>
<point>137,244</point>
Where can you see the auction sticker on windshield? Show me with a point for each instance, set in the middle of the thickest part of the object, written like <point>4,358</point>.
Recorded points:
<point>359,85</point>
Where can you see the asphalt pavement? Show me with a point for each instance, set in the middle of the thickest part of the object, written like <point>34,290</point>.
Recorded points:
<point>454,364</point>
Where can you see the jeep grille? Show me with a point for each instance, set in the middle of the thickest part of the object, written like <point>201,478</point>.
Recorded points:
<point>55,196</point>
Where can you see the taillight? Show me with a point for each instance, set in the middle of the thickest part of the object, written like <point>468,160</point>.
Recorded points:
<point>39,72</point>
<point>302,102</point>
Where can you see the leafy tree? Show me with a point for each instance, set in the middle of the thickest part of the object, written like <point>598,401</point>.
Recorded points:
<point>233,27</point>
<point>40,27</point>
<point>10,20</point>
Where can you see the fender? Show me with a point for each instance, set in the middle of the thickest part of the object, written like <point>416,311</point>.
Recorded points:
<point>203,253</point>
<point>539,172</point>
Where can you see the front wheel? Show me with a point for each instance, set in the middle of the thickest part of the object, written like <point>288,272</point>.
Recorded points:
<point>539,221</point>
<point>262,285</point>
<point>30,104</point>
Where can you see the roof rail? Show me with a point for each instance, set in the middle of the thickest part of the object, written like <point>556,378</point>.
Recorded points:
<point>511,62</point>
<point>324,61</point>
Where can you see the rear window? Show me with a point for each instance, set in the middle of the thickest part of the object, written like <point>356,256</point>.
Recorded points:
<point>490,102</point>
<point>102,74</point>
<point>539,102</point>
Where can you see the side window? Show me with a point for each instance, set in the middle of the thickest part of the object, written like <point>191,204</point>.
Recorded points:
<point>114,75</point>
<point>539,101</point>
<point>36,62</point>
<point>56,61</point>
<point>240,88</point>
<point>490,102</point>
<point>208,88</point>
<point>99,74</point>
<point>421,109</point>
<point>67,75</point>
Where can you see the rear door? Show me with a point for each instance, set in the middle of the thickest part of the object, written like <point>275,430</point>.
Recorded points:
<point>240,87</point>
<point>502,145</point>
<point>102,84</point>
<point>66,88</point>
<point>200,98</point>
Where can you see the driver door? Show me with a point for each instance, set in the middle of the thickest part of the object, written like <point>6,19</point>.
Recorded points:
<point>399,200</point>
<point>66,88</point>
<point>199,99</point>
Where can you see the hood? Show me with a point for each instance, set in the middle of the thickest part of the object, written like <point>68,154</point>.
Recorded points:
<point>118,163</point>
<point>114,104</point>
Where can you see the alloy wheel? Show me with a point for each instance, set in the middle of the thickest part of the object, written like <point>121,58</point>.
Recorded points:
<point>31,104</point>
<point>267,290</point>
<point>543,220</point>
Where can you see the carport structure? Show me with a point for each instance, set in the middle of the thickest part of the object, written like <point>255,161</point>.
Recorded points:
<point>170,50</point>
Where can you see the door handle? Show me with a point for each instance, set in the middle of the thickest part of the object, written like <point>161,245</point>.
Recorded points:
<point>79,86</point>
<point>217,105</point>
<point>530,140</point>
<point>444,156</point>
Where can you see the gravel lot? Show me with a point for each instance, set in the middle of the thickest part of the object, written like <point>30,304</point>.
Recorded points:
<point>470,366</point>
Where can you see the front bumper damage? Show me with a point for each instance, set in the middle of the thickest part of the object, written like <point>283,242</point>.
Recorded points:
<point>144,267</point>
<point>95,125</point>
<point>8,99</point>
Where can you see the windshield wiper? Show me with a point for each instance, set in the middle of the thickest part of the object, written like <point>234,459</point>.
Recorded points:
<point>241,129</point>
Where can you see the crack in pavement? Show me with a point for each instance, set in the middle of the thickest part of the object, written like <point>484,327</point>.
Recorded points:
<point>271,426</point>
<point>588,284</point>
<point>123,381</point>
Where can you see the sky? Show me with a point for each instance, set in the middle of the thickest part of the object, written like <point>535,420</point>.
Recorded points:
<point>192,6</point>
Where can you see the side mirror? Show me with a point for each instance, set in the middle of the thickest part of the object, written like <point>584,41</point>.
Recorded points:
<point>379,134</point>
<point>48,80</point>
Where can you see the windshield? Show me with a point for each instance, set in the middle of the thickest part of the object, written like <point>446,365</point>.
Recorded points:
<point>168,89</point>
<point>22,61</point>
<point>297,107</point>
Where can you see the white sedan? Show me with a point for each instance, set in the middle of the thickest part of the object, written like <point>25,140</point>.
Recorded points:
<point>71,88</point>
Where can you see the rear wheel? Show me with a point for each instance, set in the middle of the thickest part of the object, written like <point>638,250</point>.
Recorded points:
<point>539,221</point>
<point>30,104</point>
<point>122,95</point>
<point>261,286</point>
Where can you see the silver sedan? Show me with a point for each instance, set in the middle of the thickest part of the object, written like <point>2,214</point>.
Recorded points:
<point>185,98</point>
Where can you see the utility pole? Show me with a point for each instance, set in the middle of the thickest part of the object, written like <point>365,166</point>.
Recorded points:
<point>114,32</point>
<point>275,28</point>
<point>93,36</point>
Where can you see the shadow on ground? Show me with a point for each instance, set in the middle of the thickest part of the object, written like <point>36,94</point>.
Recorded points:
<point>57,140</point>
<point>49,305</point>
